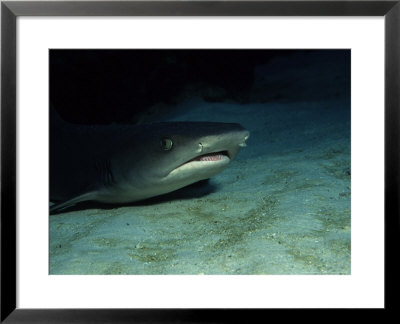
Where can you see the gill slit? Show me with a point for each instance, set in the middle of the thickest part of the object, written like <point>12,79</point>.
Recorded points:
<point>106,175</point>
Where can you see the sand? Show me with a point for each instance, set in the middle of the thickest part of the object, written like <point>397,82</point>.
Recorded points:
<point>281,207</point>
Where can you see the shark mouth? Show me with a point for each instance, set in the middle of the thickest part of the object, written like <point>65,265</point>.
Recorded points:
<point>215,156</point>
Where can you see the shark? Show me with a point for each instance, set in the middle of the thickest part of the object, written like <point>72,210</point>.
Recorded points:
<point>118,164</point>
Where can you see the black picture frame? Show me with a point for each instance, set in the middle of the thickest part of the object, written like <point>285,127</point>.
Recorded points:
<point>10,10</point>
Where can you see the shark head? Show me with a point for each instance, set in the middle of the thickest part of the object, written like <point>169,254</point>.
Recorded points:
<point>123,164</point>
<point>174,155</point>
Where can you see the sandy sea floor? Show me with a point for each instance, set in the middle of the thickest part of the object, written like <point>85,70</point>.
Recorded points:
<point>281,207</point>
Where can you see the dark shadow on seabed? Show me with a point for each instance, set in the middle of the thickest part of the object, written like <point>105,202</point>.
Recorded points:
<point>195,190</point>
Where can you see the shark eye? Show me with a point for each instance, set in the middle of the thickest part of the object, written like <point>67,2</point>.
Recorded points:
<point>166,144</point>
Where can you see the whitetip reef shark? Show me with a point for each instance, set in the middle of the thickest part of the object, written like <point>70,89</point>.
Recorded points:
<point>126,163</point>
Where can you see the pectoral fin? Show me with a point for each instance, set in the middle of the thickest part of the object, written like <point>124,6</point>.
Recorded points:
<point>71,202</point>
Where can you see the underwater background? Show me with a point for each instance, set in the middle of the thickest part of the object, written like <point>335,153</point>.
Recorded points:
<point>281,207</point>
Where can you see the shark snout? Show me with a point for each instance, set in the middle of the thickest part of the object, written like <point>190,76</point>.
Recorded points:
<point>246,136</point>
<point>230,143</point>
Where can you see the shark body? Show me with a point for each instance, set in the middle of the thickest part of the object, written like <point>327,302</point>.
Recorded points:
<point>123,164</point>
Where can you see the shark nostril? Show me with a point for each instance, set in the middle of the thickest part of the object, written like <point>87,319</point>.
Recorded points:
<point>200,149</point>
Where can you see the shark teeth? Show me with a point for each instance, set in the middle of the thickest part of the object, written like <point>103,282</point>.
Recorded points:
<point>214,156</point>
